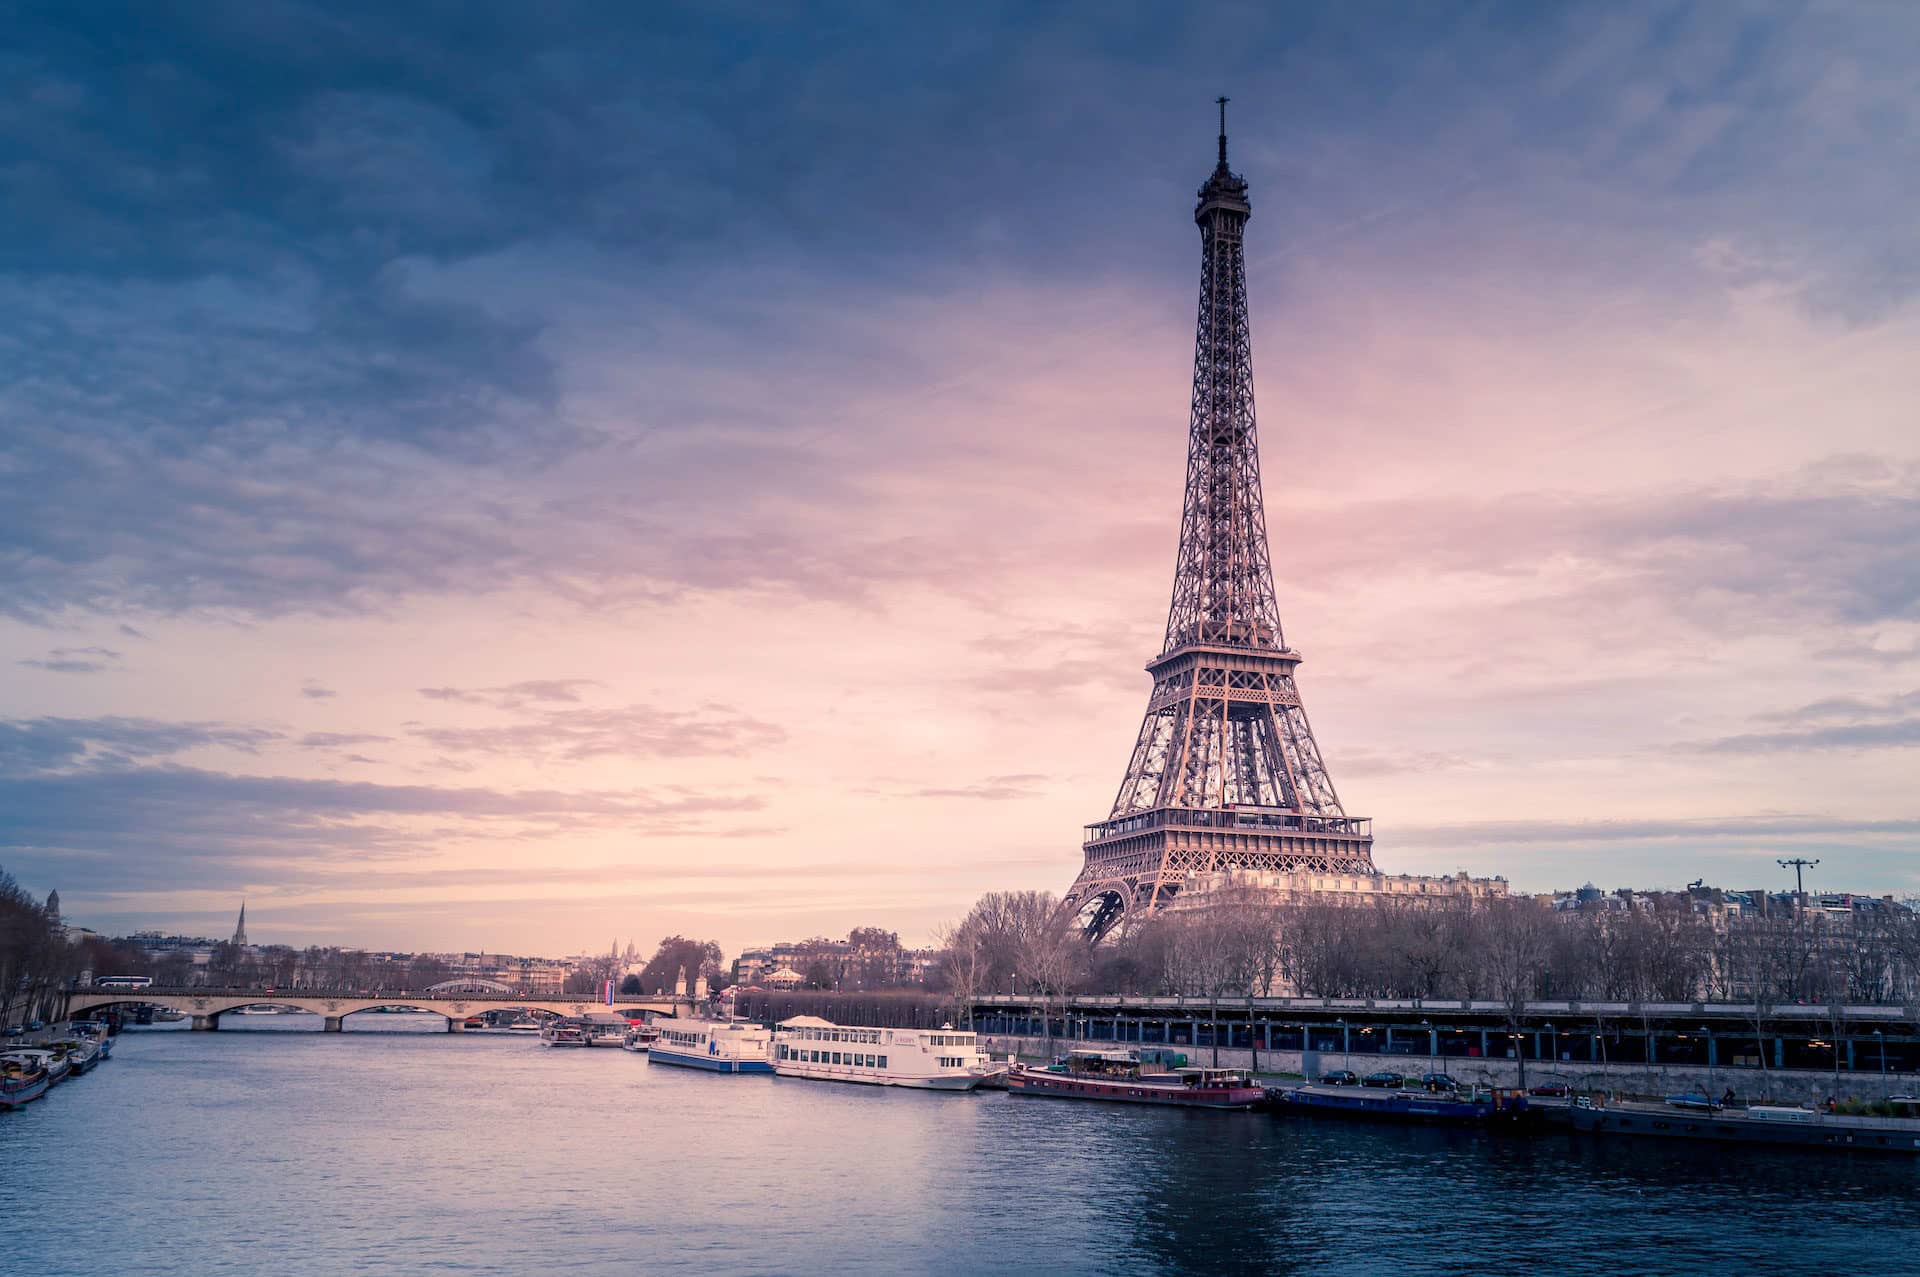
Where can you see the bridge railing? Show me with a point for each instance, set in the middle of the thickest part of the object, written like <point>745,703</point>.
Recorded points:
<point>264,994</point>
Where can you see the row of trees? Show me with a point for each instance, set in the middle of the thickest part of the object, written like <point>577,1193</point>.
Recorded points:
<point>35,958</point>
<point>37,961</point>
<point>1506,950</point>
<point>285,967</point>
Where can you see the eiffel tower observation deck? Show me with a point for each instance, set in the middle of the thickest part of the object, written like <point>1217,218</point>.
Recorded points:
<point>1225,773</point>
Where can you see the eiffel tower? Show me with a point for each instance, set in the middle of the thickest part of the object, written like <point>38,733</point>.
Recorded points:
<point>1225,773</point>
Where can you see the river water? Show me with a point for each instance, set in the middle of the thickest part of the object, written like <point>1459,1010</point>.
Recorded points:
<point>391,1149</point>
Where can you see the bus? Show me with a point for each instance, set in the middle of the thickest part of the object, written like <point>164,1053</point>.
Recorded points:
<point>123,982</point>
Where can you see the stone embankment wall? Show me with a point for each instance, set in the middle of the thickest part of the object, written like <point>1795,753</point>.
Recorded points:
<point>1788,1086</point>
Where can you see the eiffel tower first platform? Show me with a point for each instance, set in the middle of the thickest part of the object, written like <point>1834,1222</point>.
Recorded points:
<point>1225,773</point>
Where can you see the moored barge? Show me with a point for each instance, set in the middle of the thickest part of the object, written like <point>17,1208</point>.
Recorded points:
<point>715,1045</point>
<point>1771,1125</point>
<point>1117,1076</point>
<point>1444,1108</point>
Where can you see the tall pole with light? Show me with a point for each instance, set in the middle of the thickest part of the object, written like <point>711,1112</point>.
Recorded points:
<point>1797,864</point>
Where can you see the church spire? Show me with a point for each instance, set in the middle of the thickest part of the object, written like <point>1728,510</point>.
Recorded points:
<point>240,930</point>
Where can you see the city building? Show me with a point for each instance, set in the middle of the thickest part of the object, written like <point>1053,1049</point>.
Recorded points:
<point>1309,886</point>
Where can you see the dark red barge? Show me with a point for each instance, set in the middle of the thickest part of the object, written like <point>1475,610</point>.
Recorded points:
<point>1116,1076</point>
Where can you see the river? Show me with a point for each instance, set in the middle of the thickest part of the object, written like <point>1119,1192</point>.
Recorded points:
<point>391,1149</point>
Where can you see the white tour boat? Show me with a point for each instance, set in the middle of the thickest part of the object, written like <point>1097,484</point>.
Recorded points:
<point>717,1045</point>
<point>940,1059</point>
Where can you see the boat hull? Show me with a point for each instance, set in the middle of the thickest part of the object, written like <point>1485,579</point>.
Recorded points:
<point>955,1082</point>
<point>711,1063</point>
<point>13,1096</point>
<point>1861,1135</point>
<point>1063,1086</point>
<point>1410,1107</point>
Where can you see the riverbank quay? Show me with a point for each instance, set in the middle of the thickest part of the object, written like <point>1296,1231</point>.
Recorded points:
<point>1791,1086</point>
<point>1797,1054</point>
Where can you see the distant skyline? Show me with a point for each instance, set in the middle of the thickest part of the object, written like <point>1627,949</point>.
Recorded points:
<point>484,477</point>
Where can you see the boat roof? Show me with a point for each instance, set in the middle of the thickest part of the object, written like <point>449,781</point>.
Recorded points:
<point>808,1022</point>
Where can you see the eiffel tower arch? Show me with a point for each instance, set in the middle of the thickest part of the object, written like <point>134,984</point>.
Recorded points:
<point>1225,773</point>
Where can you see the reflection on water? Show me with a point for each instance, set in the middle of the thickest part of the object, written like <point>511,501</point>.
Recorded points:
<point>394,1148</point>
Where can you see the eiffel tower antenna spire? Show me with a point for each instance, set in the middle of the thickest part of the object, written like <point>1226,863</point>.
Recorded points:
<point>1225,773</point>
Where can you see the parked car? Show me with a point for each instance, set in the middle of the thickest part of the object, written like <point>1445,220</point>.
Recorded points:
<point>1439,1082</point>
<point>1339,1077</point>
<point>15,1030</point>
<point>1384,1077</point>
<point>1552,1089</point>
<point>34,1026</point>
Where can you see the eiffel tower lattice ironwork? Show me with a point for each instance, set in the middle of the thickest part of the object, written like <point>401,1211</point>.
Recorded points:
<point>1225,773</point>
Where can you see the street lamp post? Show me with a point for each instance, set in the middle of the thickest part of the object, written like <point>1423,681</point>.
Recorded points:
<point>1433,1047</point>
<point>1707,1032</point>
<point>1346,1046</point>
<point>1881,1037</point>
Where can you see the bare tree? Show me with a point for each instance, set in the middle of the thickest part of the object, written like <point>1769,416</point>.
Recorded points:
<point>966,964</point>
<point>1514,945</point>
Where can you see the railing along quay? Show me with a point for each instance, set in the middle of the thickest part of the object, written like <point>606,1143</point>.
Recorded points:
<point>1836,1039</point>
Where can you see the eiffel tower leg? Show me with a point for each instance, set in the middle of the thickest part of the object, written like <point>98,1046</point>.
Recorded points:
<point>1097,902</point>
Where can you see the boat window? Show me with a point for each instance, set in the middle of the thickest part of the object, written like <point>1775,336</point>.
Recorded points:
<point>883,1061</point>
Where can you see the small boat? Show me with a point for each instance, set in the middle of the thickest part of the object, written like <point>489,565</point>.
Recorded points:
<point>640,1038</point>
<point>1700,1102</point>
<point>20,1084</point>
<point>1117,1076</point>
<point>719,1046</point>
<point>924,1059</point>
<point>603,1029</point>
<point>81,1054</point>
<point>53,1064</point>
<point>167,1015</point>
<point>1473,1107</point>
<point>259,1008</point>
<point>473,1022</point>
<point>1767,1124</point>
<point>564,1032</point>
<point>97,1033</point>
<point>526,1024</point>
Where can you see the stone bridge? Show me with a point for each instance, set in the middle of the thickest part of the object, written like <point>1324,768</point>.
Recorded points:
<point>206,1006</point>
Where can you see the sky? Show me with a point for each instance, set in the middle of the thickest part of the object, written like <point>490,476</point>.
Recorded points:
<point>514,477</point>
